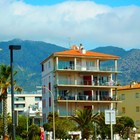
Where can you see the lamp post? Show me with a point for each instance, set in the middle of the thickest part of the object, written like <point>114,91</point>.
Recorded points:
<point>43,87</point>
<point>11,48</point>
<point>134,131</point>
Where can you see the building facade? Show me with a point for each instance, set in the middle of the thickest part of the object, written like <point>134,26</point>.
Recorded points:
<point>23,102</point>
<point>130,106</point>
<point>77,79</point>
<point>27,104</point>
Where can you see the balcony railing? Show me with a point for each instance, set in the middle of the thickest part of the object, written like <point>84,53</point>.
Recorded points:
<point>87,68</point>
<point>86,97</point>
<point>107,69</point>
<point>64,66</point>
<point>63,81</point>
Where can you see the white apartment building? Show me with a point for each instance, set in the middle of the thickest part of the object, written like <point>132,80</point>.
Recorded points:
<point>78,79</point>
<point>24,102</point>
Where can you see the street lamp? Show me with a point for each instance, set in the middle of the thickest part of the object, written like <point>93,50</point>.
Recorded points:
<point>134,131</point>
<point>11,48</point>
<point>43,87</point>
<point>27,113</point>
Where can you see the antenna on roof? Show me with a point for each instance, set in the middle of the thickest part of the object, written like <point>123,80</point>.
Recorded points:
<point>81,48</point>
<point>69,42</point>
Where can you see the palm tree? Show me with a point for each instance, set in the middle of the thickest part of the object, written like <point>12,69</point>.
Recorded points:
<point>102,128</point>
<point>5,82</point>
<point>18,89</point>
<point>84,118</point>
<point>50,116</point>
<point>5,72</point>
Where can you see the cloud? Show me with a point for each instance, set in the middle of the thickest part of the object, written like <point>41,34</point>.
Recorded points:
<point>71,22</point>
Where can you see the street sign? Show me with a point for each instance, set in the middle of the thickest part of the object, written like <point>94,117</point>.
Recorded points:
<point>110,117</point>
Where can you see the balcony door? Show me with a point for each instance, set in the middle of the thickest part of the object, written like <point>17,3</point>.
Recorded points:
<point>87,80</point>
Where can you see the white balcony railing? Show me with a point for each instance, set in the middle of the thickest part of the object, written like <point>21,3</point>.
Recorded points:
<point>63,81</point>
<point>87,68</point>
<point>86,98</point>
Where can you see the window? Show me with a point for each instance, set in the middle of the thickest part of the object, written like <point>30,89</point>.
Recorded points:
<point>63,94</point>
<point>66,65</point>
<point>123,110</point>
<point>104,95</point>
<point>123,97</point>
<point>89,65</point>
<point>42,67</point>
<point>137,95</point>
<point>137,122</point>
<point>71,65</point>
<point>19,105</point>
<point>44,89</point>
<point>137,109</point>
<point>49,84</point>
<point>19,98</point>
<point>49,64</point>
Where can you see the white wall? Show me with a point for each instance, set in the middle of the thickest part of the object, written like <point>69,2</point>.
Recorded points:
<point>29,100</point>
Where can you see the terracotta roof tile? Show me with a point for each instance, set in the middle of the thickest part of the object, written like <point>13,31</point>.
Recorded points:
<point>88,53</point>
<point>130,87</point>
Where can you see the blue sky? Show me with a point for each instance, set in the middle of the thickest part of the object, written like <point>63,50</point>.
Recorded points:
<point>107,2</point>
<point>93,23</point>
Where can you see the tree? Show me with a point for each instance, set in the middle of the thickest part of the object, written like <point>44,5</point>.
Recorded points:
<point>123,126</point>
<point>18,89</point>
<point>5,82</point>
<point>65,123</point>
<point>102,128</point>
<point>34,132</point>
<point>50,116</point>
<point>84,118</point>
<point>5,73</point>
<point>21,128</point>
<point>1,125</point>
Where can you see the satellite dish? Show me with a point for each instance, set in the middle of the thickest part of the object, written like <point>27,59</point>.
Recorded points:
<point>74,47</point>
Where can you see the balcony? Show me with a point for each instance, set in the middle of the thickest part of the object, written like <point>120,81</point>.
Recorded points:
<point>19,100</point>
<point>85,98</point>
<point>71,82</point>
<point>66,66</point>
<point>72,67</point>
<point>19,107</point>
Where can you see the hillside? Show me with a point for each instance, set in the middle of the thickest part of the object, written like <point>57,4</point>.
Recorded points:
<point>111,50</point>
<point>27,61</point>
<point>128,64</point>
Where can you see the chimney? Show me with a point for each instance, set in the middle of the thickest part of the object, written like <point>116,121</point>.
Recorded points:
<point>132,84</point>
<point>81,49</point>
<point>74,47</point>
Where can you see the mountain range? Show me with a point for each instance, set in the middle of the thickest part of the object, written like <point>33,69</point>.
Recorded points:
<point>27,61</point>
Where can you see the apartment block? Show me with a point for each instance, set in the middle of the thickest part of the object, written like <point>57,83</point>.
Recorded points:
<point>77,79</point>
<point>130,106</point>
<point>24,101</point>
